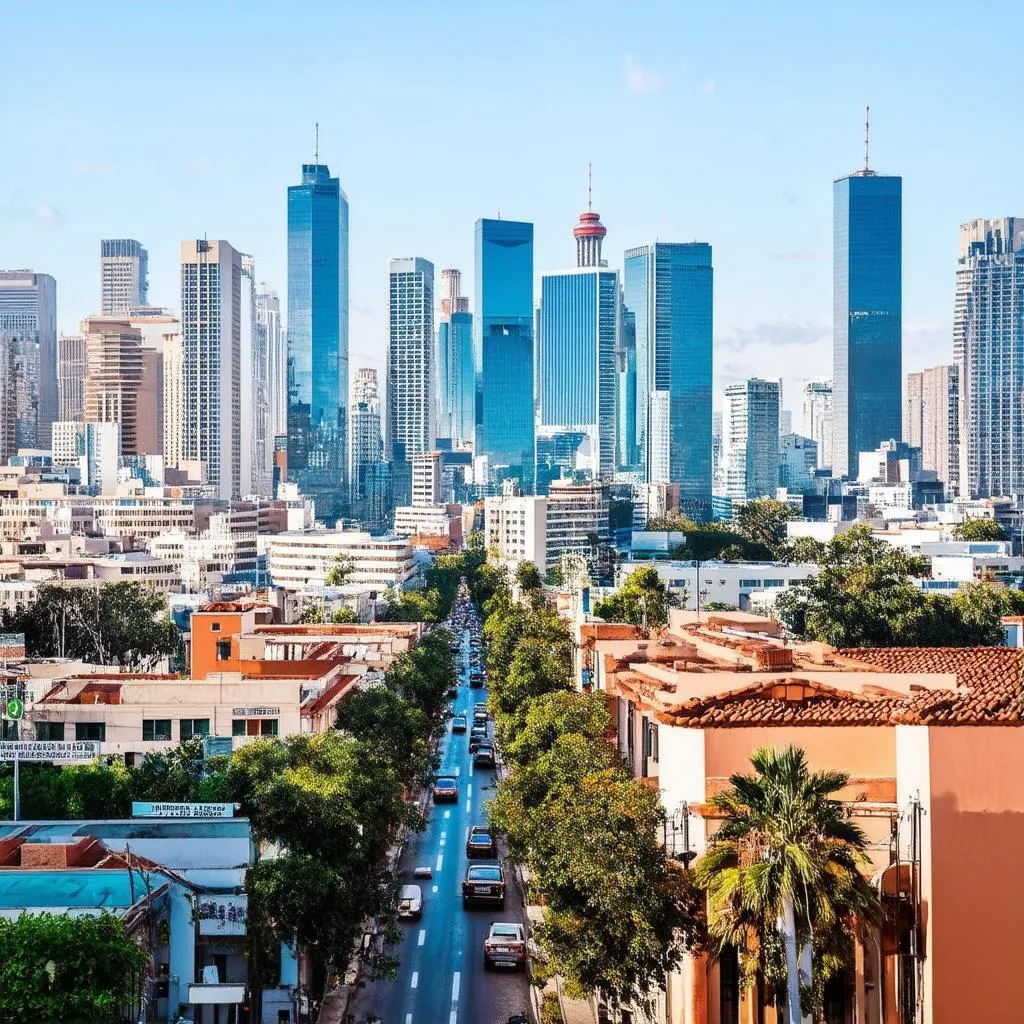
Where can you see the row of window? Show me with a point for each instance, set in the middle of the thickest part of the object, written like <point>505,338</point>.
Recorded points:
<point>159,729</point>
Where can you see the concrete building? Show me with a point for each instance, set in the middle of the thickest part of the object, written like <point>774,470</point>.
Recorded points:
<point>516,528</point>
<point>124,276</point>
<point>817,418</point>
<point>71,377</point>
<point>931,407</point>
<point>211,319</point>
<point>426,478</point>
<point>173,401</point>
<point>274,367</point>
<point>577,517</point>
<point>798,460</point>
<point>367,444</point>
<point>749,461</point>
<point>113,377</point>
<point>430,521</point>
<point>298,561</point>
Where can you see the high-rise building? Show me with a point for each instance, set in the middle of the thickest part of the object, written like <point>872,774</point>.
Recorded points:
<point>988,348</point>
<point>798,459</point>
<point>930,421</point>
<point>426,478</point>
<point>749,463</point>
<point>625,361</point>
<point>256,461</point>
<point>817,418</point>
<point>410,377</point>
<point>155,325</point>
<point>366,443</point>
<point>28,321</point>
<point>211,327</point>
<point>456,380</point>
<point>578,338</point>
<point>113,376</point>
<point>668,292</point>
<point>503,348</point>
<point>124,276</point>
<point>318,339</point>
<point>173,400</point>
<point>268,316</point>
<point>70,377</point>
<point>867,314</point>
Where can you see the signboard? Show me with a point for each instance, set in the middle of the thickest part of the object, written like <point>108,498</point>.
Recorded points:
<point>255,712</point>
<point>12,645</point>
<point>145,809</point>
<point>222,915</point>
<point>15,709</point>
<point>49,750</point>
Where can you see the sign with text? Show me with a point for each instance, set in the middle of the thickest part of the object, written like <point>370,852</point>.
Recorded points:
<point>49,750</point>
<point>222,915</point>
<point>145,809</point>
<point>255,712</point>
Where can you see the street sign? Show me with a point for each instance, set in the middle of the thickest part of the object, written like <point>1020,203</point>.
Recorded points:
<point>145,809</point>
<point>49,750</point>
<point>15,709</point>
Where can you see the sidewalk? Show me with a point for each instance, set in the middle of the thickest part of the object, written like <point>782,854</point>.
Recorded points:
<point>574,1011</point>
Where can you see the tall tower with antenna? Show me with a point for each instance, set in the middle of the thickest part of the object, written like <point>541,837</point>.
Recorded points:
<point>589,233</point>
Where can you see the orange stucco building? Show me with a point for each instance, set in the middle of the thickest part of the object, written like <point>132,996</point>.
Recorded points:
<point>932,742</point>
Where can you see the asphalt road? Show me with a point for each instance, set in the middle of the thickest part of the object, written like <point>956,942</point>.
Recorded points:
<point>441,978</point>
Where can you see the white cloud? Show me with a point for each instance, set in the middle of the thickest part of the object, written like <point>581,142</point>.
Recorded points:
<point>706,87</point>
<point>642,81</point>
<point>783,332</point>
<point>47,213</point>
<point>18,210</point>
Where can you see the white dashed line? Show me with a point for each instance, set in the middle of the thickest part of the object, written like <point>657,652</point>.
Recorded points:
<point>408,1018</point>
<point>458,772</point>
<point>433,889</point>
<point>422,938</point>
<point>455,987</point>
<point>469,806</point>
<point>440,861</point>
<point>470,768</point>
<point>443,841</point>
<point>448,813</point>
<point>444,834</point>
<point>467,833</point>
<point>415,979</point>
<point>453,1017</point>
<point>469,789</point>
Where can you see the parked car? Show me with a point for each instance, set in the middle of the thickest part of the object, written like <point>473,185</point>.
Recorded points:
<point>480,720</point>
<point>477,736</point>
<point>481,843</point>
<point>446,790</point>
<point>483,756</point>
<point>480,708</point>
<point>410,902</point>
<point>459,723</point>
<point>505,946</point>
<point>484,883</point>
<point>476,680</point>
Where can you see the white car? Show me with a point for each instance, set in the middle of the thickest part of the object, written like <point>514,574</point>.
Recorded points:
<point>410,902</point>
<point>505,946</point>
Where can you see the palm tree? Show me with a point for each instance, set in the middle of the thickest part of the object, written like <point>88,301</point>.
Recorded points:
<point>784,865</point>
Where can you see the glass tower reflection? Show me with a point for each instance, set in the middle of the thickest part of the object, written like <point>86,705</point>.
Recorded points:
<point>318,339</point>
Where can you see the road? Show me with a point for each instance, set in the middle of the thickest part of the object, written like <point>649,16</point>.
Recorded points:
<point>441,978</point>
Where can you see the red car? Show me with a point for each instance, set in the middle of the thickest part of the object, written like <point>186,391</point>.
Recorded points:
<point>446,790</point>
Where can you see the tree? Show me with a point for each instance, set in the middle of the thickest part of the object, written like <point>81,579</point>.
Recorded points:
<point>77,970</point>
<point>642,600</point>
<point>786,852</point>
<point>979,529</point>
<point>763,521</point>
<point>340,571</point>
<point>802,550</point>
<point>528,577</point>
<point>553,715</point>
<point>424,675</point>
<point>671,522</point>
<point>413,606</point>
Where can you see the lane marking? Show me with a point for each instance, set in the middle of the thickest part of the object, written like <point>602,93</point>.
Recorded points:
<point>434,889</point>
<point>415,979</point>
<point>471,769</point>
<point>453,1017</point>
<point>444,834</point>
<point>408,1018</point>
<point>455,987</point>
<point>458,771</point>
<point>469,789</point>
<point>443,841</point>
<point>440,861</point>
<point>469,806</point>
<point>422,938</point>
<point>448,813</point>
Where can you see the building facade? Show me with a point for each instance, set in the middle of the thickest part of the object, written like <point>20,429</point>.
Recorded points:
<point>456,380</point>
<point>318,285</point>
<point>275,370</point>
<point>577,519</point>
<point>124,276</point>
<point>366,443</point>
<point>298,561</point>
<point>113,376</point>
<point>817,418</point>
<point>931,409</point>
<point>516,528</point>
<point>988,348</point>
<point>71,377</point>
<point>749,462</point>
<point>867,315</point>
<point>798,459</point>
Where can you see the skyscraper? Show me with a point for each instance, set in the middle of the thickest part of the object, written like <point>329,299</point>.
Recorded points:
<point>28,322</point>
<point>867,314</point>
<point>931,408</point>
<point>113,376</point>
<point>256,457</point>
<point>503,348</point>
<point>70,377</point>
<point>749,463</point>
<point>578,338</point>
<point>268,316</point>
<point>318,339</point>
<point>410,381</point>
<point>124,276</point>
<point>668,290</point>
<point>988,348</point>
<point>211,327</point>
<point>366,443</point>
<point>817,418</point>
<point>456,379</point>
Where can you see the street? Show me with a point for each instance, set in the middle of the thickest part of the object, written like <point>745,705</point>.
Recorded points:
<point>441,978</point>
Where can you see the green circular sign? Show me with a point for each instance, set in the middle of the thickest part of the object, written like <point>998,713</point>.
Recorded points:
<point>15,709</point>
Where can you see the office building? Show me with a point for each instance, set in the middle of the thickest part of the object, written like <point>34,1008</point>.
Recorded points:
<point>515,528</point>
<point>173,401</point>
<point>70,377</point>
<point>124,276</point>
<point>301,560</point>
<point>667,294</point>
<point>410,372</point>
<point>113,376</point>
<point>28,321</point>
<point>256,468</point>
<point>798,460</point>
<point>867,314</point>
<point>503,348</point>
<point>988,349</point>
<point>426,478</point>
<point>318,276</point>
<point>749,464</point>
<point>456,379</point>
<point>576,520</point>
<point>625,364</point>
<point>578,338</point>
<point>817,418</point>
<point>268,318</point>
<point>931,407</point>
<point>211,324</point>
<point>157,326</point>
<point>366,443</point>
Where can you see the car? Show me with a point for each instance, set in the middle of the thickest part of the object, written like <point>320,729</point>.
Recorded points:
<point>480,719</point>
<point>446,790</point>
<point>480,843</point>
<point>505,946</point>
<point>477,736</point>
<point>483,756</point>
<point>480,708</point>
<point>484,883</point>
<point>476,680</point>
<point>459,723</point>
<point>410,902</point>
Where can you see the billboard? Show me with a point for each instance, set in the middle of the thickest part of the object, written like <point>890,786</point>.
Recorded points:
<point>49,750</point>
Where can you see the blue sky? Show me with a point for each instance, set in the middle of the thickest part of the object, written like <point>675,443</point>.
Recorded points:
<point>726,123</point>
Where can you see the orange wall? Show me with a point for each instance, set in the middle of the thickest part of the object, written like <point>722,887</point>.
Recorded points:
<point>976,819</point>
<point>204,642</point>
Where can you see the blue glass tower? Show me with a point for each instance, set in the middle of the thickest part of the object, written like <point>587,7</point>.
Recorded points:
<point>503,346</point>
<point>667,295</point>
<point>318,339</point>
<point>867,320</point>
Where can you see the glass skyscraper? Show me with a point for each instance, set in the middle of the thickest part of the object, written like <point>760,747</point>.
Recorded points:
<point>667,295</point>
<point>503,347</point>
<point>318,339</point>
<point>867,316</point>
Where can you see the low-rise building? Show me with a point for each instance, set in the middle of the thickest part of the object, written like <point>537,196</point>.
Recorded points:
<point>430,520</point>
<point>298,561</point>
<point>515,527</point>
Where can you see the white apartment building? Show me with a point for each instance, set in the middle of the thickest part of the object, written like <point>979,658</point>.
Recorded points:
<point>661,437</point>
<point>174,369</point>
<point>576,514</point>
<point>516,527</point>
<point>433,520</point>
<point>71,377</point>
<point>298,561</point>
<point>749,460</point>
<point>426,478</point>
<point>817,418</point>
<point>124,272</point>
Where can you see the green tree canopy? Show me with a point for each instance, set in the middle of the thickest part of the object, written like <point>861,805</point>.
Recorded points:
<point>979,529</point>
<point>556,714</point>
<point>642,600</point>
<point>340,571</point>
<point>763,521</point>
<point>528,577</point>
<point>413,606</point>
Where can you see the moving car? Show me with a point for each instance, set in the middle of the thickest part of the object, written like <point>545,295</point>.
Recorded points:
<point>476,680</point>
<point>459,723</point>
<point>410,902</point>
<point>483,756</point>
<point>480,843</point>
<point>446,790</point>
<point>484,883</point>
<point>505,946</point>
<point>480,708</point>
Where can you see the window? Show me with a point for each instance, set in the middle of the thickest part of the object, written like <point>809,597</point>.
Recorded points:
<point>223,650</point>
<point>268,727</point>
<point>774,583</point>
<point>749,583</point>
<point>189,727</point>
<point>49,730</point>
<point>91,731</point>
<point>214,627</point>
<point>254,727</point>
<point>156,729</point>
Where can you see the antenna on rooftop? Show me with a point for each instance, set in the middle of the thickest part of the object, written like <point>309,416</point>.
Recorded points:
<point>590,204</point>
<point>867,138</point>
<point>316,144</point>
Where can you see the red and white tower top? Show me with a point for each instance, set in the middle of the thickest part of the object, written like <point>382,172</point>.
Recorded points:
<point>589,234</point>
